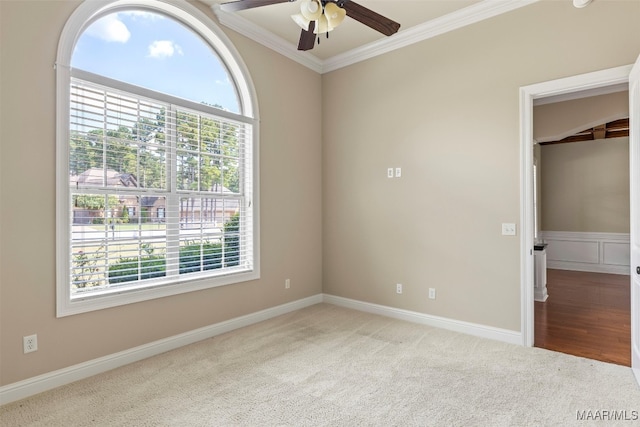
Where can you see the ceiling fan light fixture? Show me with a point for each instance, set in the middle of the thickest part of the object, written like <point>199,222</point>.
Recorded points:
<point>335,14</point>
<point>311,9</point>
<point>303,22</point>
<point>322,25</point>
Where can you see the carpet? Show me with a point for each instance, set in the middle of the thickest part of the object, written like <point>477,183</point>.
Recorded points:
<point>331,366</point>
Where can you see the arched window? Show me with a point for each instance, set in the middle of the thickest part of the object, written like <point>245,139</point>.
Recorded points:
<point>156,156</point>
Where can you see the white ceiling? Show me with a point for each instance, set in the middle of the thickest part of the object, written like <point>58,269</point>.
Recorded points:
<point>352,41</point>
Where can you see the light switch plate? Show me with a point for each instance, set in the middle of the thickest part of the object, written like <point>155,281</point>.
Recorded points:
<point>398,172</point>
<point>508,229</point>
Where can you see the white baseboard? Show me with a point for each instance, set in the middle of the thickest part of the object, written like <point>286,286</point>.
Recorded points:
<point>475,329</point>
<point>540,296</point>
<point>591,268</point>
<point>16,391</point>
<point>22,389</point>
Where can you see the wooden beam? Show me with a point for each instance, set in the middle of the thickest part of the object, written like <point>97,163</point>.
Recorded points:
<point>618,124</point>
<point>617,133</point>
<point>614,129</point>
<point>600,132</point>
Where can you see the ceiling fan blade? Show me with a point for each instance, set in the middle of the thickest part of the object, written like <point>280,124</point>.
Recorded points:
<point>234,6</point>
<point>307,38</point>
<point>370,18</point>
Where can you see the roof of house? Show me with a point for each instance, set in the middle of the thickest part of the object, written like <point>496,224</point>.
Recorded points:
<point>97,177</point>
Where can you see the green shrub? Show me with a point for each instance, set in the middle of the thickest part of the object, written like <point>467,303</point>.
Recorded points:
<point>195,257</point>
<point>128,269</point>
<point>124,217</point>
<point>232,241</point>
<point>86,271</point>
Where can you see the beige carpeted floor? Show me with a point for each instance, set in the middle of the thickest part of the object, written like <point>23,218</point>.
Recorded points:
<point>331,366</point>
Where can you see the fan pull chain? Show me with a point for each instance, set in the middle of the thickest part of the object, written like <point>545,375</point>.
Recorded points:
<point>327,33</point>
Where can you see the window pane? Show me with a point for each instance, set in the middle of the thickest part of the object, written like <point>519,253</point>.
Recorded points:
<point>157,52</point>
<point>116,239</point>
<point>119,229</point>
<point>126,143</point>
<point>208,154</point>
<point>209,233</point>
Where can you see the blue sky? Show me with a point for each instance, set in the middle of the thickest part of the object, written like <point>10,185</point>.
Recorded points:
<point>156,52</point>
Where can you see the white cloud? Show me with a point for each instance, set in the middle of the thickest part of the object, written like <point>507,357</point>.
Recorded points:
<point>141,14</point>
<point>109,28</point>
<point>164,49</point>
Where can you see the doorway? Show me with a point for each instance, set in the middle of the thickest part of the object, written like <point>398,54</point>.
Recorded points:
<point>587,82</point>
<point>581,206</point>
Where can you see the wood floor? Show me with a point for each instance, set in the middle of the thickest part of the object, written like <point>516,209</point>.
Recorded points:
<point>586,314</point>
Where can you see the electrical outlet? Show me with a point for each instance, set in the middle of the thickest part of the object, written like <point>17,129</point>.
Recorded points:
<point>399,288</point>
<point>30,343</point>
<point>390,173</point>
<point>287,284</point>
<point>432,293</point>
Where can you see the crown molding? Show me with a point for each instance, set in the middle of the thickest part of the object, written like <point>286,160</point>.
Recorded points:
<point>469,15</point>
<point>266,38</point>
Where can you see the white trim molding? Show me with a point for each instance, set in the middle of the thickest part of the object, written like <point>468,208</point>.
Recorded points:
<point>199,22</point>
<point>266,38</point>
<point>594,252</point>
<point>29,387</point>
<point>529,95</point>
<point>469,15</point>
<point>482,331</point>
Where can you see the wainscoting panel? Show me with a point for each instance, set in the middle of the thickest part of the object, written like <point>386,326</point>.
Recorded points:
<point>595,252</point>
<point>616,253</point>
<point>574,251</point>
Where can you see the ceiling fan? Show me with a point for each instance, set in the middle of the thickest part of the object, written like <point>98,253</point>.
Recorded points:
<point>321,16</point>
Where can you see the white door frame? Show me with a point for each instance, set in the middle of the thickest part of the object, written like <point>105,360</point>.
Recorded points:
<point>528,94</point>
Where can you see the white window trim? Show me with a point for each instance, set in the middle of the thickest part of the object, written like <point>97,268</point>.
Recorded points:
<point>199,22</point>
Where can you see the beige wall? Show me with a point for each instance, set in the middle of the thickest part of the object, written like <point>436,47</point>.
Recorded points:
<point>585,186</point>
<point>446,110</point>
<point>552,122</point>
<point>290,173</point>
